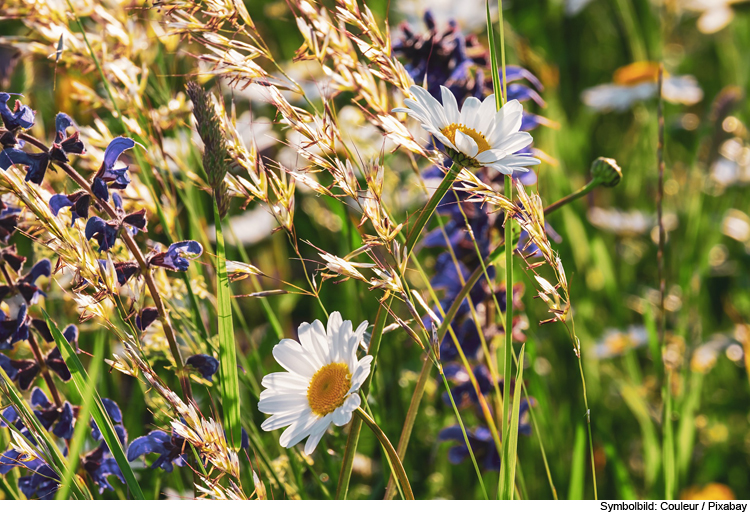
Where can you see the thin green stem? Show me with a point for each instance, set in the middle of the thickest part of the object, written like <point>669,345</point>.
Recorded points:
<point>463,431</point>
<point>429,208</point>
<point>398,468</point>
<point>508,363</point>
<point>356,428</point>
<point>588,424</point>
<point>572,196</point>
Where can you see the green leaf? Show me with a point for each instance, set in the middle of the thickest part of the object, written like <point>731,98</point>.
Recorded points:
<point>510,444</point>
<point>98,412</point>
<point>46,444</point>
<point>82,421</point>
<point>230,386</point>
<point>578,464</point>
<point>493,58</point>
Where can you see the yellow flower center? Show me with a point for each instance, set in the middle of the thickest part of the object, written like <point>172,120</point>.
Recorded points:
<point>479,139</point>
<point>637,73</point>
<point>328,388</point>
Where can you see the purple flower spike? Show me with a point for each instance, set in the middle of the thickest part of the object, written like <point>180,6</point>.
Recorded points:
<point>66,423</point>
<point>12,258</point>
<point>7,365</point>
<point>107,175</point>
<point>524,93</point>
<point>43,482</point>
<point>117,200</point>
<point>137,220</point>
<point>20,117</point>
<point>79,203</point>
<point>54,359</point>
<point>99,466</point>
<point>59,201</point>
<point>36,164</point>
<point>14,330</point>
<point>43,268</point>
<point>103,232</point>
<point>205,364</point>
<point>114,150</point>
<point>99,188</point>
<point>517,73</point>
<point>146,318</point>
<point>65,144</point>
<point>169,448</point>
<point>125,270</point>
<point>178,255</point>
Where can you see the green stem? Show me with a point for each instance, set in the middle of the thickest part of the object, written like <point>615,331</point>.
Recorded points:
<point>463,431</point>
<point>588,424</point>
<point>429,208</point>
<point>411,240</point>
<point>356,428</point>
<point>398,468</point>
<point>583,191</point>
<point>508,363</point>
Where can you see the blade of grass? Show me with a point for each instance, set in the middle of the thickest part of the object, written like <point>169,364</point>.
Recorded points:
<point>46,445</point>
<point>230,386</point>
<point>82,421</point>
<point>510,442</point>
<point>393,458</point>
<point>577,465</point>
<point>98,412</point>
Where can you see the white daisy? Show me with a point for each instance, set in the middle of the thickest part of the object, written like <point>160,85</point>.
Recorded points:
<point>320,385</point>
<point>477,135</point>
<point>639,82</point>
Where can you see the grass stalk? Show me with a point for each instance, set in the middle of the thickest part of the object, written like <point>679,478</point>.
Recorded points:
<point>393,458</point>
<point>230,391</point>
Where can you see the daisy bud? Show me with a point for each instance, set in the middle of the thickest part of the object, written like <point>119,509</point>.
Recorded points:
<point>606,171</point>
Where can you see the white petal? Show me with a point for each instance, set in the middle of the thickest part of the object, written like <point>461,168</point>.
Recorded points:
<point>277,421</point>
<point>431,105</point>
<point>515,142</point>
<point>290,355</point>
<point>298,430</point>
<point>521,160</point>
<point>444,140</point>
<point>470,112</point>
<point>288,381</point>
<point>352,345</point>
<point>343,414</point>
<point>316,433</point>
<point>507,121</point>
<point>283,402</point>
<point>682,89</point>
<point>466,145</point>
<point>361,372</point>
<point>314,341</point>
<point>486,115</point>
<point>715,18</point>
<point>490,156</point>
<point>450,105</point>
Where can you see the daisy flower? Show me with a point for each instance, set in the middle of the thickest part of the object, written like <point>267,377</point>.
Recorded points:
<point>320,384</point>
<point>639,82</point>
<point>477,136</point>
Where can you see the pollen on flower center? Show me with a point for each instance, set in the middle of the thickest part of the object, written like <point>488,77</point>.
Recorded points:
<point>328,388</point>
<point>479,139</point>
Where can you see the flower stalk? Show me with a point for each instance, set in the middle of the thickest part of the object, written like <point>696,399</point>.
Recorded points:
<point>394,459</point>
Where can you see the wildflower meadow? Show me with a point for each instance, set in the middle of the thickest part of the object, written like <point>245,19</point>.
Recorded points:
<point>370,249</point>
